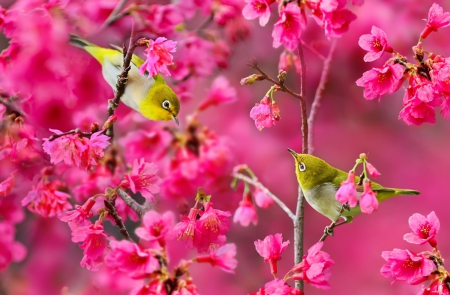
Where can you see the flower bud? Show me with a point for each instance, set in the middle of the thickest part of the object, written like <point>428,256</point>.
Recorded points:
<point>251,79</point>
<point>282,76</point>
<point>95,127</point>
<point>109,122</point>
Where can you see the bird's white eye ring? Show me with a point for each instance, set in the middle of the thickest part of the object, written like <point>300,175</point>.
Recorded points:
<point>302,167</point>
<point>166,104</point>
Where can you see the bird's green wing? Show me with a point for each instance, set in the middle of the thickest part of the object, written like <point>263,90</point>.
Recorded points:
<point>136,60</point>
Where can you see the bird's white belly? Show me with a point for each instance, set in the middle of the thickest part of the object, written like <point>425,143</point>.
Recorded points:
<point>323,200</point>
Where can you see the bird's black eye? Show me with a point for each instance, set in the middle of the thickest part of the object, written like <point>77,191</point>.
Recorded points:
<point>166,104</point>
<point>302,167</point>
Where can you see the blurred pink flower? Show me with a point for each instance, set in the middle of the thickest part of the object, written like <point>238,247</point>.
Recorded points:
<point>315,267</point>
<point>337,22</point>
<point>372,170</point>
<point>347,191</point>
<point>277,287</point>
<point>288,59</point>
<point>424,229</point>
<point>380,81</point>
<point>94,244</point>
<point>222,52</point>
<point>221,92</point>
<point>158,57</point>
<point>46,200</point>
<point>163,18</point>
<point>270,249</point>
<point>368,201</point>
<point>128,257</point>
<point>237,29</point>
<point>246,212</point>
<point>148,144</point>
<point>437,18</point>
<point>437,287</point>
<point>262,200</point>
<point>6,186</point>
<point>155,227</point>
<point>403,265</point>
<point>288,28</point>
<point>375,43</point>
<point>262,114</point>
<point>224,258</point>
<point>186,230</point>
<point>188,62</point>
<point>11,210</point>
<point>143,179</point>
<point>155,287</point>
<point>443,78</point>
<point>10,250</point>
<point>224,13</point>
<point>79,216</point>
<point>258,9</point>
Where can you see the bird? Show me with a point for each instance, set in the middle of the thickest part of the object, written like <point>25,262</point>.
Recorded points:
<point>320,181</point>
<point>150,96</point>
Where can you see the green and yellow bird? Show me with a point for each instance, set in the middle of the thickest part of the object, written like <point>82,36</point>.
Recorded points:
<point>320,181</point>
<point>150,96</point>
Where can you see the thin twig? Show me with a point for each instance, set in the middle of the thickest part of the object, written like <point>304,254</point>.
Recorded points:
<point>10,105</point>
<point>115,15</point>
<point>204,24</point>
<point>139,209</point>
<point>313,50</point>
<point>259,185</point>
<point>113,212</point>
<point>73,131</point>
<point>319,93</point>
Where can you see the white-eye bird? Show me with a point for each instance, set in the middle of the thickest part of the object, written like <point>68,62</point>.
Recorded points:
<point>320,181</point>
<point>150,96</point>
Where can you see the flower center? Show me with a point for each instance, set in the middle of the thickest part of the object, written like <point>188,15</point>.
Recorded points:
<point>425,231</point>
<point>377,44</point>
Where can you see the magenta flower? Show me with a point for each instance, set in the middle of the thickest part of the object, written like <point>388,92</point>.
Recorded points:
<point>187,230</point>
<point>337,22</point>
<point>6,186</point>
<point>288,28</point>
<point>315,267</point>
<point>143,179</point>
<point>443,78</point>
<point>158,57</point>
<point>213,222</point>
<point>372,170</point>
<point>437,287</point>
<point>347,191</point>
<point>94,244</point>
<point>403,265</point>
<point>270,249</point>
<point>128,257</point>
<point>277,287</point>
<point>246,212</point>
<point>221,92</point>
<point>79,216</point>
<point>224,258</point>
<point>155,227</point>
<point>287,60</point>
<point>262,199</point>
<point>257,9</point>
<point>378,82</point>
<point>262,114</point>
<point>368,201</point>
<point>10,250</point>
<point>424,229</point>
<point>437,18</point>
<point>419,103</point>
<point>375,43</point>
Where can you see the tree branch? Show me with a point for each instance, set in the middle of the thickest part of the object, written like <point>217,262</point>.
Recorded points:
<point>113,212</point>
<point>115,14</point>
<point>319,93</point>
<point>259,185</point>
<point>329,229</point>
<point>139,209</point>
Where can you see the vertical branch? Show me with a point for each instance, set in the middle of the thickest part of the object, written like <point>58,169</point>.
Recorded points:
<point>299,213</point>
<point>319,92</point>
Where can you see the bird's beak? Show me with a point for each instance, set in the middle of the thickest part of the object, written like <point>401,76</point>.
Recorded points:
<point>294,154</point>
<point>176,120</point>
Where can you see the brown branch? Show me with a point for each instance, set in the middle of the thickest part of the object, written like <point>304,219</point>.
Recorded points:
<point>74,131</point>
<point>319,93</point>
<point>113,212</point>
<point>259,185</point>
<point>139,209</point>
<point>116,14</point>
<point>204,24</point>
<point>11,107</point>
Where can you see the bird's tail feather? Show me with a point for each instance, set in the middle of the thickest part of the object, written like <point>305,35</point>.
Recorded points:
<point>78,41</point>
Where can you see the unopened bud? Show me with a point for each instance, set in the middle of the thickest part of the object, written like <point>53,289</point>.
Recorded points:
<point>282,76</point>
<point>251,79</point>
<point>275,112</point>
<point>142,42</point>
<point>95,127</point>
<point>362,156</point>
<point>109,122</point>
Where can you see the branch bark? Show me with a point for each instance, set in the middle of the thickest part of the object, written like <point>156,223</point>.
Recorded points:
<point>135,206</point>
<point>113,212</point>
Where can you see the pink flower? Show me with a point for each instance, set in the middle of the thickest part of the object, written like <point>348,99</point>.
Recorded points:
<point>93,239</point>
<point>257,9</point>
<point>10,250</point>
<point>262,114</point>
<point>403,265</point>
<point>337,22</point>
<point>437,18</point>
<point>143,179</point>
<point>158,57</point>
<point>443,78</point>
<point>163,18</point>
<point>155,227</point>
<point>375,43</point>
<point>79,216</point>
<point>220,92</point>
<point>347,191</point>
<point>6,186</point>
<point>287,60</point>
<point>378,82</point>
<point>437,287</point>
<point>372,170</point>
<point>262,199</point>
<point>277,287</point>
<point>419,103</point>
<point>187,230</point>
<point>128,257</point>
<point>368,201</point>
<point>155,287</point>
<point>46,200</point>
<point>223,258</point>
<point>288,28</point>
<point>246,212</point>
<point>424,229</point>
<point>270,249</point>
<point>315,267</point>
<point>222,53</point>
<point>213,222</point>
<point>148,144</point>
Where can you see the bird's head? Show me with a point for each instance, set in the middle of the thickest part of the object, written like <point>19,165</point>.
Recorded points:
<point>312,171</point>
<point>161,104</point>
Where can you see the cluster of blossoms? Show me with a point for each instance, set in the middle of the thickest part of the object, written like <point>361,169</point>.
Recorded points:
<point>416,268</point>
<point>347,192</point>
<point>315,268</point>
<point>428,80</point>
